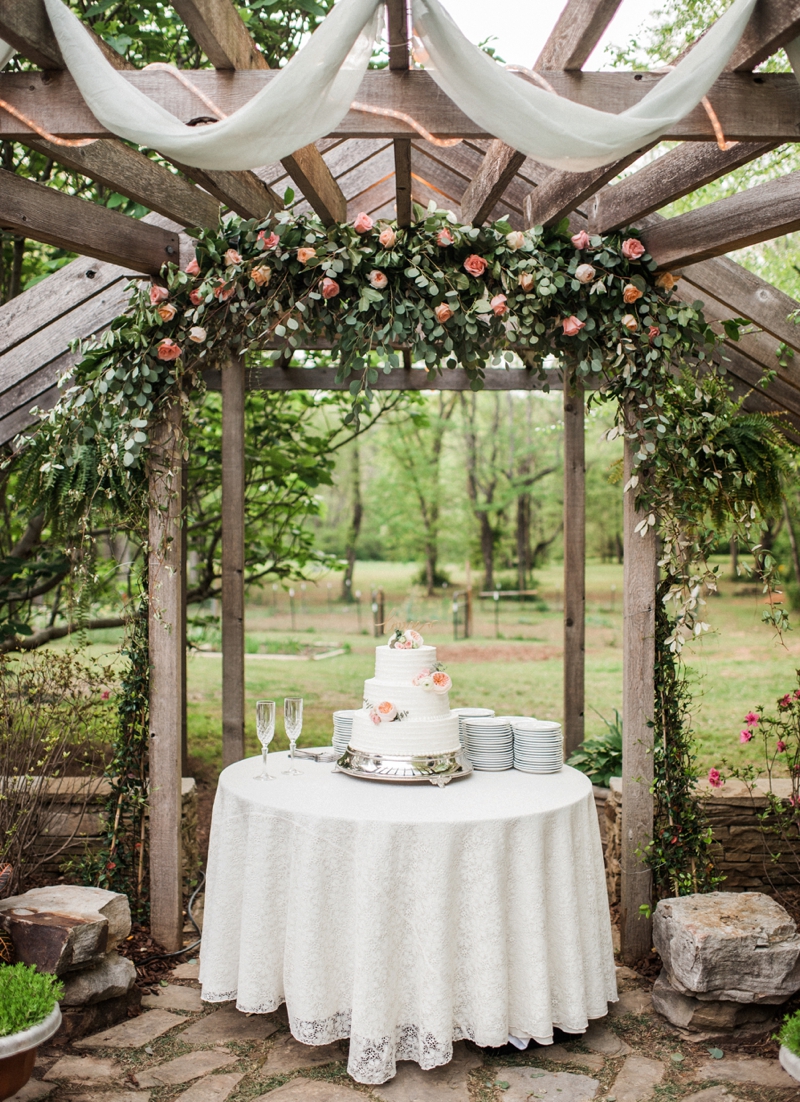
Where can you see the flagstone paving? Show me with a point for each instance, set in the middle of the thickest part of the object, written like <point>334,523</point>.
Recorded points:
<point>311,1090</point>
<point>228,1024</point>
<point>638,1079</point>
<point>766,1073</point>
<point>524,1084</point>
<point>84,1069</point>
<point>174,997</point>
<point>287,1054</point>
<point>449,1083</point>
<point>183,1069</point>
<point>135,1032</point>
<point>213,1088</point>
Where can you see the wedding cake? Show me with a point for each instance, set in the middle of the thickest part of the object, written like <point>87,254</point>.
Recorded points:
<point>406,711</point>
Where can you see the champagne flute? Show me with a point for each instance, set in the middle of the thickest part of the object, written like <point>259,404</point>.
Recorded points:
<point>265,729</point>
<point>293,722</point>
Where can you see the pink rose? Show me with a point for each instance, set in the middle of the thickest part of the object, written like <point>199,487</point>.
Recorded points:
<point>498,305</point>
<point>222,292</point>
<point>751,719</point>
<point>443,313</point>
<point>515,240</point>
<point>268,241</point>
<point>196,297</point>
<point>413,637</point>
<point>197,334</point>
<point>232,258</point>
<point>377,280</point>
<point>745,736</point>
<point>441,682</point>
<point>387,711</point>
<point>168,350</point>
<point>444,238</point>
<point>166,311</point>
<point>715,778</point>
<point>403,644</point>
<point>572,326</point>
<point>781,746</point>
<point>526,281</point>
<point>388,238</point>
<point>158,294</point>
<point>423,673</point>
<point>585,273</point>
<point>653,332</point>
<point>475,265</point>
<point>305,254</point>
<point>632,248</point>
<point>581,240</point>
<point>261,275</point>
<point>630,322</point>
<point>362,223</point>
<point>376,719</point>
<point>329,288</point>
<point>192,268</point>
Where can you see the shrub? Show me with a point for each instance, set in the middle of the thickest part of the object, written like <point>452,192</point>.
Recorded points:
<point>26,997</point>
<point>789,1035</point>
<point>601,757</point>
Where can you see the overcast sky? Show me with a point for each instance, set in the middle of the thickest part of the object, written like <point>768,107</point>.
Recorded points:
<point>522,26</point>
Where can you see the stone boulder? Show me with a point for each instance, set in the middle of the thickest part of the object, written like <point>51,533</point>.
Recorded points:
<point>739,947</point>
<point>707,1015</point>
<point>65,927</point>
<point>114,976</point>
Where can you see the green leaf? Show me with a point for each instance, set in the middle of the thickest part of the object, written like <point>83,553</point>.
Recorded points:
<point>717,1053</point>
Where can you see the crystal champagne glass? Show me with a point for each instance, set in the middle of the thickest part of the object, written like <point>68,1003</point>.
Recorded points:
<point>265,729</point>
<point>293,722</point>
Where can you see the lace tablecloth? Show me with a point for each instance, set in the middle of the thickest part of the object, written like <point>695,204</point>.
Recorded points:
<point>407,917</point>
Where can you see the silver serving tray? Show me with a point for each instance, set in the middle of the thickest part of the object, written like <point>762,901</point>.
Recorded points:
<point>439,769</point>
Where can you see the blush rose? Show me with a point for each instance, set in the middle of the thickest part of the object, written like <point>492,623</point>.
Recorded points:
<point>498,305</point>
<point>377,280</point>
<point>443,313</point>
<point>475,265</point>
<point>632,248</point>
<point>585,273</point>
<point>580,240</point>
<point>329,288</point>
<point>388,238</point>
<point>168,350</point>
<point>362,223</point>
<point>572,326</point>
<point>444,238</point>
<point>158,294</point>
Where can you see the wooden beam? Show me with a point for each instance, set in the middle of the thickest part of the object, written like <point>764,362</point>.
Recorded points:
<point>47,215</point>
<point>638,707</point>
<point>25,26</point>
<point>666,179</point>
<point>564,191</point>
<point>757,214</point>
<point>772,24</point>
<point>167,673</point>
<point>244,192</point>
<point>399,61</point>
<point>221,33</point>
<point>233,489</point>
<point>486,188</point>
<point>402,180</point>
<point>574,565</point>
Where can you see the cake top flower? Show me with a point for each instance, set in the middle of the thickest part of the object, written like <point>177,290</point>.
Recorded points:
<point>407,639</point>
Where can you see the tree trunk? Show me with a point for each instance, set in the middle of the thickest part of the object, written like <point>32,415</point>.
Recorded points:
<point>355,525</point>
<point>523,540</point>
<point>487,551</point>
<point>735,556</point>
<point>792,541</point>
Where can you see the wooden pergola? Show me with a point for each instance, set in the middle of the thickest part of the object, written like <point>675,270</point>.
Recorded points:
<point>380,164</point>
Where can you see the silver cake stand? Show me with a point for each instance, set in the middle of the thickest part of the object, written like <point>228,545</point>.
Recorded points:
<point>438,769</point>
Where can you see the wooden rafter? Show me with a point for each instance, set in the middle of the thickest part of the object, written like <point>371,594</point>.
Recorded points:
<point>399,62</point>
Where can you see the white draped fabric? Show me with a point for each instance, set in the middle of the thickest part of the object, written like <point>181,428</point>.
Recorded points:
<point>312,94</point>
<point>408,917</point>
<point>6,53</point>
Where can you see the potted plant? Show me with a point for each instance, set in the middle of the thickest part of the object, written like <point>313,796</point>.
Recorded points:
<point>789,1038</point>
<point>29,1016</point>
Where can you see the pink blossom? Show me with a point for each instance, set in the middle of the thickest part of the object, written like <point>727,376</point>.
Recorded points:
<point>268,241</point>
<point>404,644</point>
<point>196,297</point>
<point>192,268</point>
<point>581,240</point>
<point>796,694</point>
<point>632,248</point>
<point>443,313</point>
<point>572,326</point>
<point>498,305</point>
<point>785,701</point>
<point>387,711</point>
<point>232,257</point>
<point>751,719</point>
<point>158,294</point>
<point>329,288</point>
<point>715,778</point>
<point>222,292</point>
<point>168,350</point>
<point>305,254</point>
<point>653,332</point>
<point>376,719</point>
<point>745,735</point>
<point>781,746</point>
<point>377,279</point>
<point>444,237</point>
<point>475,265</point>
<point>362,223</point>
<point>441,682</point>
<point>413,637</point>
<point>388,238</point>
<point>794,801</point>
<point>105,694</point>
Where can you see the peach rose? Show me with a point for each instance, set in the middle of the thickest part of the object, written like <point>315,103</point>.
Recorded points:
<point>192,268</point>
<point>329,288</point>
<point>585,273</point>
<point>168,350</point>
<point>305,254</point>
<point>196,297</point>
<point>526,281</point>
<point>197,334</point>
<point>441,682</point>
<point>515,240</point>
<point>158,294</point>
<point>268,241</point>
<point>222,292</point>
<point>166,311</point>
<point>261,275</point>
<point>572,326</point>
<point>653,332</point>
<point>498,305</point>
<point>388,238</point>
<point>377,280</point>
<point>630,322</point>
<point>580,240</point>
<point>362,223</point>
<point>475,265</point>
<point>443,313</point>
<point>387,711</point>
<point>444,238</point>
<point>666,281</point>
<point>632,248</point>
<point>232,258</point>
<point>631,294</point>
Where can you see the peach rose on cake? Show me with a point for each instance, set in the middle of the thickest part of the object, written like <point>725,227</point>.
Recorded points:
<point>362,223</point>
<point>632,248</point>
<point>158,294</point>
<point>423,673</point>
<point>166,311</point>
<point>441,682</point>
<point>443,313</point>
<point>387,711</point>
<point>475,265</point>
<point>413,637</point>
<point>377,280</point>
<point>580,240</point>
<point>388,238</point>
<point>572,326</point>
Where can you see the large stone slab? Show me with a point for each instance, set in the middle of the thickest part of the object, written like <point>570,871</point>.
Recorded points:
<point>112,977</point>
<point>557,1054</point>
<point>311,1090</point>
<point>111,1096</point>
<point>707,1015</point>
<point>214,1088</point>
<point>711,1094</point>
<point>66,926</point>
<point>183,1069</point>
<point>174,997</point>
<point>80,1021</point>
<point>527,1084</point>
<point>599,1038</point>
<point>732,946</point>
<point>33,1091</point>
<point>631,1002</point>
<point>135,1032</point>
<point>765,1073</point>
<point>448,1083</point>
<point>84,1069</point>
<point>637,1079</point>
<point>287,1055</point>
<point>188,971</point>
<point>227,1024</point>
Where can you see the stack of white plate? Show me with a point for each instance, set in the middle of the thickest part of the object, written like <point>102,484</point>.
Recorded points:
<point>489,743</point>
<point>538,745</point>
<point>470,713</point>
<point>342,730</point>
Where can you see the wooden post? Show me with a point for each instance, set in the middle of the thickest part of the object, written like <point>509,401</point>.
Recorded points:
<point>233,389</point>
<point>638,702</point>
<point>184,583</point>
<point>574,563</point>
<point>167,674</point>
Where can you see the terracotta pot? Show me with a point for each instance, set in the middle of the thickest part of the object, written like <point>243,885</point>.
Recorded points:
<point>790,1062</point>
<point>18,1053</point>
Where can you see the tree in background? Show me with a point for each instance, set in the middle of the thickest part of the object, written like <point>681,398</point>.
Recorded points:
<point>355,523</point>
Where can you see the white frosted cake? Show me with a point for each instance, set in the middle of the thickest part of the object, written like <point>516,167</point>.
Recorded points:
<point>406,704</point>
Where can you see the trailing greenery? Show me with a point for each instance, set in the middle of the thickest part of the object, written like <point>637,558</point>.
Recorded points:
<point>601,757</point>
<point>789,1035</point>
<point>26,997</point>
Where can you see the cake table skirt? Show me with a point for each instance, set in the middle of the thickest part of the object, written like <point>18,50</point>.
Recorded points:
<point>407,917</point>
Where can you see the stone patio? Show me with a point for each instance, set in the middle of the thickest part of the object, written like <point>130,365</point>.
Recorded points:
<point>184,1050</point>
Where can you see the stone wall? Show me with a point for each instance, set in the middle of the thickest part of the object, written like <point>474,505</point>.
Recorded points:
<point>739,851</point>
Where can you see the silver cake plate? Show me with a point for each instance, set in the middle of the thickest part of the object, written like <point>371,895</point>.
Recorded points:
<point>438,769</point>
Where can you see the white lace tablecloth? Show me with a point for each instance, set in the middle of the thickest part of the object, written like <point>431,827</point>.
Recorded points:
<point>407,917</point>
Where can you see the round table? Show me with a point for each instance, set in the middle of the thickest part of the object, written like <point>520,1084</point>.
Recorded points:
<point>407,917</point>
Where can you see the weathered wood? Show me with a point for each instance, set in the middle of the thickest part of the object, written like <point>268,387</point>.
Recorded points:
<point>574,565</point>
<point>756,214</point>
<point>564,191</point>
<point>488,185</point>
<point>750,106</point>
<point>167,673</point>
<point>244,192</point>
<point>402,174</point>
<point>319,378</point>
<point>638,704</point>
<point>24,24</point>
<point>50,216</point>
<point>772,24</point>
<point>233,484</point>
<point>399,61</point>
<point>21,419</point>
<point>312,175</point>
<point>678,172</point>
<point>577,31</point>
